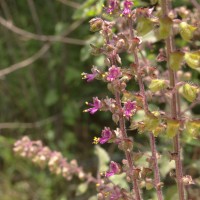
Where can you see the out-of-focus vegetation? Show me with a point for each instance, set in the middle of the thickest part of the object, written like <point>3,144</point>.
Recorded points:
<point>45,98</point>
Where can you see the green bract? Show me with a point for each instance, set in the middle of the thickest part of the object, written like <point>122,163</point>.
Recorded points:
<point>190,92</point>
<point>193,128</point>
<point>165,28</point>
<point>172,128</point>
<point>176,59</point>
<point>157,85</point>
<point>144,26</point>
<point>193,59</point>
<point>186,31</point>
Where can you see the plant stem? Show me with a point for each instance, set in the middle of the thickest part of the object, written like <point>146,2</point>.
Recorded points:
<point>127,153</point>
<point>175,105</point>
<point>146,109</point>
<point>124,136</point>
<point>152,138</point>
<point>155,167</point>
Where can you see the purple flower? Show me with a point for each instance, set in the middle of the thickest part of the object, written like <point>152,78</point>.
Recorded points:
<point>106,135</point>
<point>96,105</point>
<point>129,108</point>
<point>127,8</point>
<point>114,168</point>
<point>113,73</point>
<point>112,5</point>
<point>91,77</point>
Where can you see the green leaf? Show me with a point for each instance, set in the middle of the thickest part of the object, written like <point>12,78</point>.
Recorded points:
<point>103,158</point>
<point>85,53</point>
<point>51,97</point>
<point>89,9</point>
<point>120,179</point>
<point>72,75</point>
<point>81,189</point>
<point>93,198</point>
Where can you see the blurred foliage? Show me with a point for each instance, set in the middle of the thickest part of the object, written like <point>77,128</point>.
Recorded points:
<point>50,91</point>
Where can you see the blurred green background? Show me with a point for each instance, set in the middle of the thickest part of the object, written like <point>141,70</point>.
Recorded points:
<point>44,98</point>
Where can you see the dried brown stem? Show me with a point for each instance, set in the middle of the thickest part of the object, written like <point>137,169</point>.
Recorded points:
<point>175,109</point>
<point>26,62</point>
<point>30,125</point>
<point>43,38</point>
<point>34,15</point>
<point>195,4</point>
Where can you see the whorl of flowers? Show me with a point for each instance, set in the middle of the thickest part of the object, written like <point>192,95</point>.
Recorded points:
<point>43,156</point>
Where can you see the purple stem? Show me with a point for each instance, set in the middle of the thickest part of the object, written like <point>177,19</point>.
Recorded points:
<point>175,104</point>
<point>146,109</point>
<point>127,153</point>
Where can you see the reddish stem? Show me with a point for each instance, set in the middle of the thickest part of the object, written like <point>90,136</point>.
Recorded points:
<point>127,153</point>
<point>175,104</point>
<point>146,109</point>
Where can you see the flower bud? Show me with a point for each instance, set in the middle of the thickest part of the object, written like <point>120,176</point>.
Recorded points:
<point>193,59</point>
<point>172,128</point>
<point>149,184</point>
<point>95,50</point>
<point>159,185</point>
<point>176,58</point>
<point>187,180</point>
<point>126,145</point>
<point>186,31</point>
<point>190,92</point>
<point>157,85</point>
<point>96,24</point>
<point>115,118</point>
<point>136,173</point>
<point>144,26</point>
<point>145,172</point>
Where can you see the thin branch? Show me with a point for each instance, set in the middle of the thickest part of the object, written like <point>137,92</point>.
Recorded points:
<point>72,27</point>
<point>26,62</point>
<point>6,9</point>
<point>70,3</point>
<point>195,4</point>
<point>34,15</point>
<point>43,38</point>
<point>19,125</point>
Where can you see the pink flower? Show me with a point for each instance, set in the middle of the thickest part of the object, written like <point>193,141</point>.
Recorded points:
<point>96,105</point>
<point>112,5</point>
<point>113,73</point>
<point>91,77</point>
<point>114,168</point>
<point>106,135</point>
<point>127,8</point>
<point>129,108</point>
